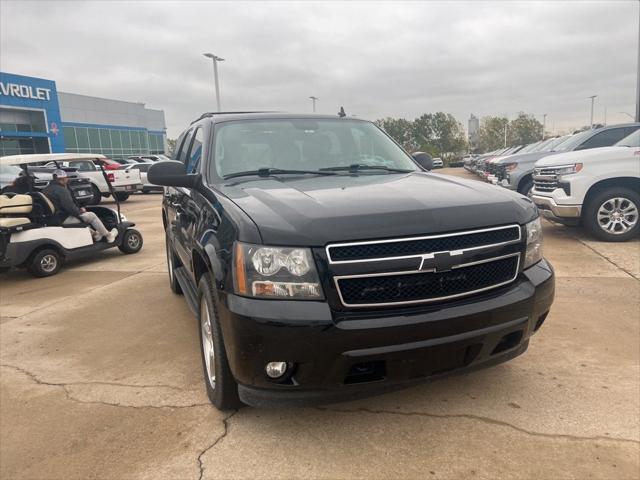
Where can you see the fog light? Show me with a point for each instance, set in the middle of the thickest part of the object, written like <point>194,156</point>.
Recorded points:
<point>276,369</point>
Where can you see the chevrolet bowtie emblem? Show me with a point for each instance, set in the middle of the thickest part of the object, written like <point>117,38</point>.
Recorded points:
<point>440,261</point>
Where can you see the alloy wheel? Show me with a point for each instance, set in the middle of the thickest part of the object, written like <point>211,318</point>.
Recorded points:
<point>48,263</point>
<point>617,215</point>
<point>208,350</point>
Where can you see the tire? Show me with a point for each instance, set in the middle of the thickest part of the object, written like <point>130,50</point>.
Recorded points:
<point>222,390</point>
<point>612,214</point>
<point>97,196</point>
<point>121,196</point>
<point>45,263</point>
<point>172,263</point>
<point>526,187</point>
<point>131,241</point>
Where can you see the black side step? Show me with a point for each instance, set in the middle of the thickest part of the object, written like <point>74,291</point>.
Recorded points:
<point>190,294</point>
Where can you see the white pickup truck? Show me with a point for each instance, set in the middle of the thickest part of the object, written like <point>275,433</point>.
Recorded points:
<point>597,188</point>
<point>123,182</point>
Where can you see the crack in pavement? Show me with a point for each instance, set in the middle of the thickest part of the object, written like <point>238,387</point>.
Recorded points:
<point>70,396</point>
<point>491,421</point>
<point>602,255</point>
<point>225,422</point>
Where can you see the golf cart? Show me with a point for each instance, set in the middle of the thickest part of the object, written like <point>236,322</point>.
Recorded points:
<point>31,238</point>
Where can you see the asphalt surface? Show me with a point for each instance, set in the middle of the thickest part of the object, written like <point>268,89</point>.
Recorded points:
<point>101,378</point>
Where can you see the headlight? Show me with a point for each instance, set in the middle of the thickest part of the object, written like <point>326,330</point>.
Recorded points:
<point>275,272</point>
<point>568,169</point>
<point>510,166</point>
<point>534,243</point>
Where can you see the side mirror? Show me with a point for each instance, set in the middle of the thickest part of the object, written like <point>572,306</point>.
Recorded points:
<point>170,173</point>
<point>424,160</point>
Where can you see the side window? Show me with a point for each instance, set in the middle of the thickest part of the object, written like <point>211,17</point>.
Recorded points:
<point>606,138</point>
<point>82,165</point>
<point>181,145</point>
<point>193,159</point>
<point>143,167</point>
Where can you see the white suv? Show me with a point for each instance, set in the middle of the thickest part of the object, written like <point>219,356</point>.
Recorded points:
<point>598,188</point>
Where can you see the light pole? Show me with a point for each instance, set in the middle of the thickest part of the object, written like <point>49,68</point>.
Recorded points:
<point>506,126</point>
<point>314,99</point>
<point>544,124</point>
<point>592,97</point>
<point>215,60</point>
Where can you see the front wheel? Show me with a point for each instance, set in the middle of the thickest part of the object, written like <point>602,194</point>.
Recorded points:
<point>45,263</point>
<point>526,188</point>
<point>612,215</point>
<point>222,388</point>
<point>121,196</point>
<point>131,241</point>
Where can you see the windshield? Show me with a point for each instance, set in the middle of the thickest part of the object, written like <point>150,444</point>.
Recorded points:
<point>304,144</point>
<point>529,147</point>
<point>573,141</point>
<point>632,140</point>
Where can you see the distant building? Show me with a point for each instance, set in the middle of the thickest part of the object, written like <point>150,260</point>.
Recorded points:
<point>474,131</point>
<point>36,118</point>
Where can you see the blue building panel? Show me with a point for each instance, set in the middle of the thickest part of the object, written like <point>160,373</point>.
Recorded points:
<point>30,93</point>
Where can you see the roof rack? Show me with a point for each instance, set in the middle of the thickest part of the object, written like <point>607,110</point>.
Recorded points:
<point>212,114</point>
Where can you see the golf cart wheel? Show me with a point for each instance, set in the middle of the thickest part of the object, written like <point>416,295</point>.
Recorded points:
<point>45,263</point>
<point>97,196</point>
<point>222,388</point>
<point>131,241</point>
<point>121,196</point>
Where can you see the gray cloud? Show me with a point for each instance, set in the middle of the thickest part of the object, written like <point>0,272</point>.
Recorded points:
<point>377,59</point>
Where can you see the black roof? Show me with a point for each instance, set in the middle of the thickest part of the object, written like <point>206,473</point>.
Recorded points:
<point>229,116</point>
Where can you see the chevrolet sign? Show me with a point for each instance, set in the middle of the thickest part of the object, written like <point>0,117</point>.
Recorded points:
<point>24,91</point>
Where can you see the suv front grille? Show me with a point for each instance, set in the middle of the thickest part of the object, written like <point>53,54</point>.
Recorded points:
<point>387,250</point>
<point>419,286</point>
<point>545,179</point>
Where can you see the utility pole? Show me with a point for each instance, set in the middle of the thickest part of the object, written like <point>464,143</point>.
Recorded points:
<point>506,126</point>
<point>605,116</point>
<point>592,97</point>
<point>314,99</point>
<point>544,124</point>
<point>215,60</point>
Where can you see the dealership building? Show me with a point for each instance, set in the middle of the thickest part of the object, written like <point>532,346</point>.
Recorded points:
<point>36,118</point>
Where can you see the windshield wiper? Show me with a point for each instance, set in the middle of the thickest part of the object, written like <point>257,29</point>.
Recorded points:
<point>268,172</point>
<point>356,167</point>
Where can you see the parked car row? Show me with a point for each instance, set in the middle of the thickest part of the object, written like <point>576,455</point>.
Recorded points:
<point>88,183</point>
<point>591,178</point>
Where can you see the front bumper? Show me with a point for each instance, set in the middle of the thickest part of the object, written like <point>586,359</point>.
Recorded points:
<point>555,211</point>
<point>334,357</point>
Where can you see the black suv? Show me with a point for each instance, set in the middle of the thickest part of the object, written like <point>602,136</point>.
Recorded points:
<point>324,262</point>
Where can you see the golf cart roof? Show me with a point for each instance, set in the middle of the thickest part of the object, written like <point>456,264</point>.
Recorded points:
<point>48,157</point>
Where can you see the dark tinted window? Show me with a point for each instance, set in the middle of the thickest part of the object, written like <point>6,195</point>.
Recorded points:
<point>607,138</point>
<point>182,146</point>
<point>195,153</point>
<point>143,167</point>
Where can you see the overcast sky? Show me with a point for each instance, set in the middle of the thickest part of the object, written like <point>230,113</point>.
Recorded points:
<point>376,59</point>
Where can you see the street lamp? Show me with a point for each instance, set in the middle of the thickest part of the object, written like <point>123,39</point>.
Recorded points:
<point>544,124</point>
<point>592,97</point>
<point>215,60</point>
<point>314,99</point>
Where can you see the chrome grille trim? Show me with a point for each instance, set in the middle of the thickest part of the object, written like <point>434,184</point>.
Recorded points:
<point>425,254</point>
<point>428,300</point>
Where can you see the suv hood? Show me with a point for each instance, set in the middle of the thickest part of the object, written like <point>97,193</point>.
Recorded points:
<point>314,211</point>
<point>590,155</point>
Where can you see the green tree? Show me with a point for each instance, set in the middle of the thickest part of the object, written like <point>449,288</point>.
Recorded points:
<point>492,131</point>
<point>440,134</point>
<point>171,146</point>
<point>524,129</point>
<point>401,130</point>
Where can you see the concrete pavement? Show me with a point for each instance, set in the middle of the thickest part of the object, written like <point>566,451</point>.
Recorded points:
<point>101,378</point>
